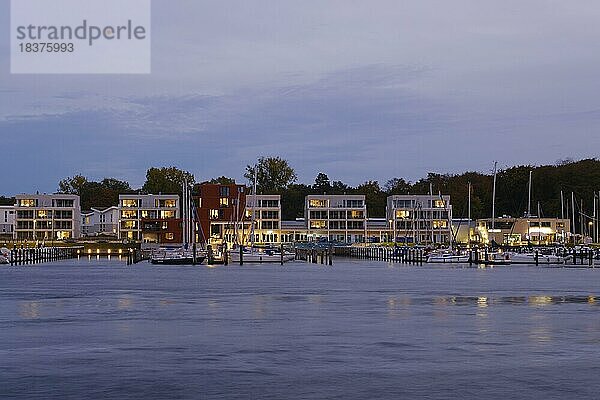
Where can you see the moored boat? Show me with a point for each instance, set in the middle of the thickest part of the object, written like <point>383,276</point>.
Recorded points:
<point>4,256</point>
<point>260,255</point>
<point>446,257</point>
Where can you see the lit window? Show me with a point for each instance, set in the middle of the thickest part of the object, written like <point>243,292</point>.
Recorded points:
<point>27,203</point>
<point>129,203</point>
<point>169,236</point>
<point>440,224</point>
<point>316,203</point>
<point>402,214</point>
<point>439,204</point>
<point>319,224</point>
<point>213,214</point>
<point>167,214</point>
<point>128,214</point>
<point>224,202</point>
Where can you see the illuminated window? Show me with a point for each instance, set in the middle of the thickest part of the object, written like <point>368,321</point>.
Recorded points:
<point>315,203</point>
<point>27,203</point>
<point>129,224</point>
<point>402,214</point>
<point>169,236</point>
<point>128,214</point>
<point>224,202</point>
<point>167,214</point>
<point>213,214</point>
<point>129,203</point>
<point>439,204</point>
<point>440,224</point>
<point>318,224</point>
<point>42,214</point>
<point>355,214</point>
<point>148,214</point>
<point>165,203</point>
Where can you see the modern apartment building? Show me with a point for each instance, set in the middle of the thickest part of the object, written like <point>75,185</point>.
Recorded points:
<point>340,218</point>
<point>97,222</point>
<point>267,218</point>
<point>7,222</point>
<point>47,217</point>
<point>221,211</point>
<point>149,218</point>
<point>420,218</point>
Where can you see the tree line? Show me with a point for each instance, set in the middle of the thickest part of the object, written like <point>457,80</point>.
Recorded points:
<point>274,175</point>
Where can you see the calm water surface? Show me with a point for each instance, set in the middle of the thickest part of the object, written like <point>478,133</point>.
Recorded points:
<point>357,330</point>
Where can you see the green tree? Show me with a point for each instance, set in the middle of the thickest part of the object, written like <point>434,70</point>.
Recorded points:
<point>7,201</point>
<point>72,185</point>
<point>223,180</point>
<point>375,198</point>
<point>274,175</point>
<point>292,201</point>
<point>322,184</point>
<point>166,180</point>
<point>397,186</point>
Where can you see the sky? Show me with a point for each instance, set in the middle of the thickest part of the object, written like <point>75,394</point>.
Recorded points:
<point>360,90</point>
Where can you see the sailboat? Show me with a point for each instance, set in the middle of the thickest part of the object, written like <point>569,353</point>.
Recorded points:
<point>254,254</point>
<point>187,254</point>
<point>533,257</point>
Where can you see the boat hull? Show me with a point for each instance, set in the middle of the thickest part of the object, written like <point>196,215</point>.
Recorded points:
<point>449,259</point>
<point>177,261</point>
<point>257,258</point>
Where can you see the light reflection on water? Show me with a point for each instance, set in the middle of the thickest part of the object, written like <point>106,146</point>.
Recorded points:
<point>353,331</point>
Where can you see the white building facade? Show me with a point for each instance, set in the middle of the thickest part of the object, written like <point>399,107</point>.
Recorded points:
<point>338,218</point>
<point>134,208</point>
<point>47,217</point>
<point>7,222</point>
<point>100,222</point>
<point>420,219</point>
<point>267,217</point>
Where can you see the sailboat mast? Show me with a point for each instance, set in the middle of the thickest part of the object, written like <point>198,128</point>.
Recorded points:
<point>469,218</point>
<point>429,212</point>
<point>562,205</point>
<point>529,199</point>
<point>494,196</point>
<point>253,205</point>
<point>573,216</point>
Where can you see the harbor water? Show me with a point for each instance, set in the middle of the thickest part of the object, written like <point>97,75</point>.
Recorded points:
<point>356,330</point>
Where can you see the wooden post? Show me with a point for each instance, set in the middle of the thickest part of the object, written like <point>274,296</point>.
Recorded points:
<point>210,254</point>
<point>241,255</point>
<point>194,254</point>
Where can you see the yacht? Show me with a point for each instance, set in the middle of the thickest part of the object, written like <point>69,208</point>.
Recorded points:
<point>176,257</point>
<point>530,258</point>
<point>447,257</point>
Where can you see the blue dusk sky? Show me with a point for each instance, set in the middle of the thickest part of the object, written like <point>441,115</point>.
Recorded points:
<point>357,89</point>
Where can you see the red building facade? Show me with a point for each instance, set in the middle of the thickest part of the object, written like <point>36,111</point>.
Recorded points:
<point>219,208</point>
